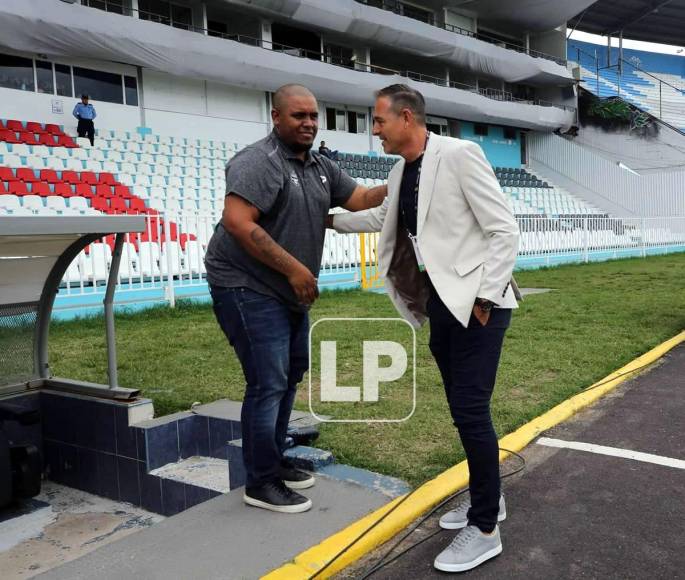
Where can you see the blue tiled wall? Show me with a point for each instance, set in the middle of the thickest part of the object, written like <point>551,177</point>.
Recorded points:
<point>90,446</point>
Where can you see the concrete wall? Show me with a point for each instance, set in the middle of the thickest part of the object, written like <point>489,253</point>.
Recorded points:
<point>500,152</point>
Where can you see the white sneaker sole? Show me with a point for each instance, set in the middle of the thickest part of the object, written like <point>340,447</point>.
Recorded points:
<point>460,525</point>
<point>283,509</point>
<point>306,484</point>
<point>468,565</point>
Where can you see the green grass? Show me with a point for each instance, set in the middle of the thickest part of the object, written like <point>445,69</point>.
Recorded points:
<point>599,317</point>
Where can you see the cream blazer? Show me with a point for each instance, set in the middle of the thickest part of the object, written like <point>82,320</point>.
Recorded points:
<point>466,233</point>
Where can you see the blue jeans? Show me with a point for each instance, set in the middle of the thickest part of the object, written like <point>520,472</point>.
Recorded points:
<point>271,342</point>
<point>468,359</point>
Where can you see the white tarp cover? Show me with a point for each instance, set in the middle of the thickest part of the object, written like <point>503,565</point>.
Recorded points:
<point>69,30</point>
<point>390,30</point>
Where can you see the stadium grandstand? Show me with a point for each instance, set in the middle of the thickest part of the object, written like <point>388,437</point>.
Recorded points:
<point>179,88</point>
<point>586,140</point>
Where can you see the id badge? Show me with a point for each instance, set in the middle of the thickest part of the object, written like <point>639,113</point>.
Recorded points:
<point>417,253</point>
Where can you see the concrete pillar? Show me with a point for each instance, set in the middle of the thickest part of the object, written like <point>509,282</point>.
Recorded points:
<point>362,57</point>
<point>134,9</point>
<point>265,31</point>
<point>527,42</point>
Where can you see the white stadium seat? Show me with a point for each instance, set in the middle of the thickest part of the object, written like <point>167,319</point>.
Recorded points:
<point>9,202</point>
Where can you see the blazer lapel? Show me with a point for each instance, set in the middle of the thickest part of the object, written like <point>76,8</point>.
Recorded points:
<point>429,170</point>
<point>386,243</point>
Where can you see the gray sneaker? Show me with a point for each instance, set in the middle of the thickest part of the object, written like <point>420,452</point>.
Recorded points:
<point>470,548</point>
<point>456,519</point>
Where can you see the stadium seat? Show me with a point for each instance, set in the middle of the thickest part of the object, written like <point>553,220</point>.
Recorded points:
<point>66,141</point>
<point>27,175</point>
<point>10,202</point>
<point>33,202</point>
<point>54,129</point>
<point>107,178</point>
<point>48,139</point>
<point>14,125</point>
<point>55,202</point>
<point>9,137</point>
<point>78,202</point>
<point>118,205</point>
<point>84,190</point>
<point>89,177</point>
<point>100,204</point>
<point>41,188</point>
<point>7,174</point>
<point>49,176</point>
<point>103,190</point>
<point>17,188</point>
<point>71,177</point>
<point>64,189</point>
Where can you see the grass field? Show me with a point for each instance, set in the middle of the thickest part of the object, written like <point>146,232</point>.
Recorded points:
<point>597,318</point>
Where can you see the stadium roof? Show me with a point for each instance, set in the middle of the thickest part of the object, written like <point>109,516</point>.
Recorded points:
<point>660,21</point>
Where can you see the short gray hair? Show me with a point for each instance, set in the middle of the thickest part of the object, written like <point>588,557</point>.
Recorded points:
<point>404,97</point>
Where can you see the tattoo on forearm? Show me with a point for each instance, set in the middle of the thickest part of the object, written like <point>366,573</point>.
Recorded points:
<point>269,251</point>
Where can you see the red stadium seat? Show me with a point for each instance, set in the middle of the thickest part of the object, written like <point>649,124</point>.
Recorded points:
<point>107,179</point>
<point>47,139</point>
<point>84,190</point>
<point>6,174</point>
<point>34,127</point>
<point>138,204</point>
<point>28,138</point>
<point>49,175</point>
<point>122,191</point>
<point>103,191</point>
<point>14,125</point>
<point>89,177</point>
<point>17,188</point>
<point>40,188</point>
<point>71,177</point>
<point>9,136</point>
<point>66,141</point>
<point>64,189</point>
<point>100,204</point>
<point>27,175</point>
<point>53,129</point>
<point>118,204</point>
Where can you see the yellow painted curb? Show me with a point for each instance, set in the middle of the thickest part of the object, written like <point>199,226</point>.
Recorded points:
<point>305,565</point>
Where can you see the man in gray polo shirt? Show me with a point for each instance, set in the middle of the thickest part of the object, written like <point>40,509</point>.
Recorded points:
<point>262,263</point>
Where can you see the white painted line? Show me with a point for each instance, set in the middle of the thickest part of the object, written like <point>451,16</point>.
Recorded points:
<point>613,452</point>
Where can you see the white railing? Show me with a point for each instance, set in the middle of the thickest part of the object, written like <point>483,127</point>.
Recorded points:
<point>169,256</point>
<point>654,194</point>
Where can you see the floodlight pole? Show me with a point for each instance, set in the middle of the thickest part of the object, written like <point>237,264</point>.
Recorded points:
<point>109,312</point>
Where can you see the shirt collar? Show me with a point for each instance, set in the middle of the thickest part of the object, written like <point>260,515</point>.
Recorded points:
<point>289,153</point>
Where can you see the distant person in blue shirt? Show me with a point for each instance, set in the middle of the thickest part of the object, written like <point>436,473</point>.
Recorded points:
<point>85,113</point>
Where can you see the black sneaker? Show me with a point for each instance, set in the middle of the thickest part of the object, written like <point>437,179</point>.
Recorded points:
<point>275,496</point>
<point>296,478</point>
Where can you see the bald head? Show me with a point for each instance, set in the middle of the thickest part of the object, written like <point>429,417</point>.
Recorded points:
<point>295,116</point>
<point>285,93</point>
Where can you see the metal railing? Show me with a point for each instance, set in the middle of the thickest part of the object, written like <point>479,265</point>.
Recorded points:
<point>422,16</point>
<point>348,63</point>
<point>618,67</point>
<point>169,256</point>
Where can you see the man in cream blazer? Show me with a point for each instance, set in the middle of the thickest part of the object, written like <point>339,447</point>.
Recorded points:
<point>447,249</point>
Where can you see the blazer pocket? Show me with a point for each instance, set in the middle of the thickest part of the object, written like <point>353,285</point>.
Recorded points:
<point>467,266</point>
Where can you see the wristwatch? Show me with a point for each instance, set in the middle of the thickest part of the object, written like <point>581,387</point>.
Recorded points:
<point>484,304</point>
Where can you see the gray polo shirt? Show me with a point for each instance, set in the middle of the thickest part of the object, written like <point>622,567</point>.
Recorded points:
<point>293,198</point>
